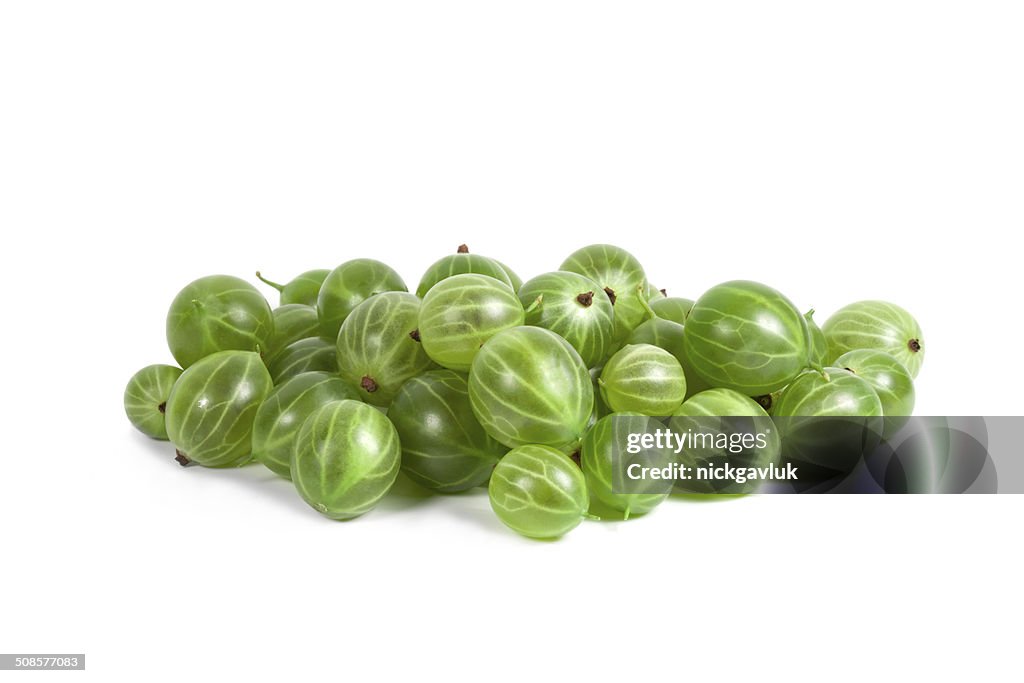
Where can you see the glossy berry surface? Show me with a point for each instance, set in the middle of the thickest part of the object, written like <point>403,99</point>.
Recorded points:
<point>345,459</point>
<point>379,346</point>
<point>212,407</point>
<point>879,326</point>
<point>529,386</point>
<point>279,418</point>
<point>459,264</point>
<point>292,322</point>
<point>218,313</point>
<point>606,461</point>
<point>306,355</point>
<point>622,277</point>
<point>643,378</point>
<point>890,380</point>
<point>574,307</point>
<point>145,398</point>
<point>444,446</point>
<point>746,336</point>
<point>538,492</point>
<point>672,308</point>
<point>462,312</point>
<point>349,285</point>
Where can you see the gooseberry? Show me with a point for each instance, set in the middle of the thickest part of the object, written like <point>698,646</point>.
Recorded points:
<point>746,336</point>
<point>574,307</point>
<point>643,378</point>
<point>379,346</point>
<point>462,312</point>
<point>346,458</point>
<point>145,398</point>
<point>212,407</point>
<point>538,492</point>
<point>529,386</point>
<point>347,286</point>
<point>444,446</point>
<point>877,325</point>
<point>304,289</point>
<point>218,313</point>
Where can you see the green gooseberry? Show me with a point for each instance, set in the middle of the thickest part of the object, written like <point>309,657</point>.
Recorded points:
<point>379,346</point>
<point>516,281</point>
<point>746,336</point>
<point>643,378</point>
<point>292,322</point>
<point>212,407</point>
<point>218,313</point>
<point>145,399</point>
<point>282,414</point>
<point>716,415</point>
<point>529,386</point>
<point>819,347</point>
<point>890,380</point>
<point>877,325</point>
<point>306,355</point>
<point>347,286</point>
<point>459,263</point>
<point>346,458</point>
<point>672,308</point>
<point>574,307</point>
<point>462,312</point>
<point>304,289</point>
<point>606,464</point>
<point>836,391</point>
<point>668,335</point>
<point>538,492</point>
<point>827,421</point>
<point>622,278</point>
<point>444,446</point>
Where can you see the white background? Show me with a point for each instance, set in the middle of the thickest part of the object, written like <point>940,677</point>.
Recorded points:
<point>835,151</point>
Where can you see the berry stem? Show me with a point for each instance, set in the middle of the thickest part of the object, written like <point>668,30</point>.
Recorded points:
<point>536,304</point>
<point>275,285</point>
<point>647,306</point>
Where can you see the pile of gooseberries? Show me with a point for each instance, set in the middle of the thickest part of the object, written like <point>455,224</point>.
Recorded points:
<point>480,380</point>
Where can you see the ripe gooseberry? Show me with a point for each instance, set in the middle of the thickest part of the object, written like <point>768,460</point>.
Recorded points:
<point>212,407</point>
<point>668,335</point>
<point>877,325</point>
<point>347,286</point>
<point>306,355</point>
<point>606,464</point>
<point>218,313</point>
<point>346,458</point>
<point>462,312</point>
<point>622,278</point>
<point>890,380</point>
<point>303,289</point>
<point>459,263</point>
<point>538,492</point>
<point>718,413</point>
<point>672,308</point>
<point>379,346</point>
<point>642,378</point>
<point>746,336</point>
<point>529,386</point>
<point>145,398</point>
<point>444,446</point>
<point>279,418</point>
<point>292,322</point>
<point>827,421</point>
<point>574,307</point>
